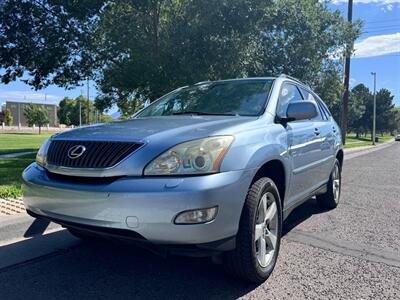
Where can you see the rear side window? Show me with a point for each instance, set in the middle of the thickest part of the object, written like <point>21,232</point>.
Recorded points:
<point>325,108</point>
<point>289,93</point>
<point>310,97</point>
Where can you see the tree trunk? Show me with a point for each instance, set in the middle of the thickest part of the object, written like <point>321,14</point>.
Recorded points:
<point>40,130</point>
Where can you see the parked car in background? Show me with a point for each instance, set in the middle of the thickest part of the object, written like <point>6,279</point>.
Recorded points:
<point>209,169</point>
<point>397,138</point>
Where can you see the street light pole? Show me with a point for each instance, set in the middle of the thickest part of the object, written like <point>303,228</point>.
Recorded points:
<point>374,116</point>
<point>88,101</point>
<point>80,109</point>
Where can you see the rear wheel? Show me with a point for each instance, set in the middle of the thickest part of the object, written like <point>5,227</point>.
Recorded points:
<point>331,198</point>
<point>258,238</point>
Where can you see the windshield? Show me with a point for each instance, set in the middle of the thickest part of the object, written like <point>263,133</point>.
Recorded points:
<point>236,97</point>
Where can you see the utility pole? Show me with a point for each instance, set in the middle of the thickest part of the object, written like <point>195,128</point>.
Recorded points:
<point>349,48</point>
<point>374,116</point>
<point>88,101</point>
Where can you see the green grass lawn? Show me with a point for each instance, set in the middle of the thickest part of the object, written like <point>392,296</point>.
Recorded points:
<point>21,142</point>
<point>11,169</point>
<point>352,141</point>
<point>10,175</point>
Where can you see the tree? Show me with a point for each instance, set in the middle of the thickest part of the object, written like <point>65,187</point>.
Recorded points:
<point>394,122</point>
<point>68,112</point>
<point>329,86</point>
<point>36,115</point>
<point>361,111</point>
<point>384,110</point>
<point>360,97</point>
<point>106,118</point>
<point>65,110</point>
<point>139,50</point>
<point>48,39</point>
<point>8,117</point>
<point>298,37</point>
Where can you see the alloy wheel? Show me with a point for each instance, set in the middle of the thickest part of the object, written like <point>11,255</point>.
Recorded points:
<point>266,229</point>
<point>336,183</point>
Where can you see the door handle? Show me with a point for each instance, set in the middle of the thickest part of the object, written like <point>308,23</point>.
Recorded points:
<point>316,131</point>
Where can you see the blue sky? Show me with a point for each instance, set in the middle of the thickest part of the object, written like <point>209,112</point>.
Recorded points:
<point>377,50</point>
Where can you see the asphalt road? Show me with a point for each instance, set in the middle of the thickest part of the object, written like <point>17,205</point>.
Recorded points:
<point>352,252</point>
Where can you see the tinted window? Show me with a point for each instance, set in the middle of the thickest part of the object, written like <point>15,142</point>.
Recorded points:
<point>289,93</point>
<point>310,97</point>
<point>325,108</point>
<point>241,97</point>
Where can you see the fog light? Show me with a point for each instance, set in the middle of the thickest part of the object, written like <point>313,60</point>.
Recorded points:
<point>197,216</point>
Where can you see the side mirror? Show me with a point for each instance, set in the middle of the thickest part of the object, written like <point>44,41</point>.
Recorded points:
<point>301,110</point>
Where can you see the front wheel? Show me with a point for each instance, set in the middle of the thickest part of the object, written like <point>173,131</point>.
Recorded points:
<point>259,234</point>
<point>330,199</point>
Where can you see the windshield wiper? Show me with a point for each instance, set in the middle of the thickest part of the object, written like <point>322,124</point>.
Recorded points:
<point>202,113</point>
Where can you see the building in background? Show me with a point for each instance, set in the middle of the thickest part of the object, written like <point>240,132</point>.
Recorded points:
<point>17,112</point>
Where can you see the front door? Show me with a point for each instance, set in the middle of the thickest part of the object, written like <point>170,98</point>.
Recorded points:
<point>303,144</point>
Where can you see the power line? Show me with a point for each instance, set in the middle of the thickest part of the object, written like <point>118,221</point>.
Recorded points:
<point>382,27</point>
<point>381,31</point>
<point>382,21</point>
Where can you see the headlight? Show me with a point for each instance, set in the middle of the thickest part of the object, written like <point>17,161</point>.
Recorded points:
<point>41,154</point>
<point>202,156</point>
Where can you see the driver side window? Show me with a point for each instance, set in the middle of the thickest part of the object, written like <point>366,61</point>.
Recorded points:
<point>289,93</point>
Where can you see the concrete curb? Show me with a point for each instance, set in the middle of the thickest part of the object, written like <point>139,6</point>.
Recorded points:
<point>358,151</point>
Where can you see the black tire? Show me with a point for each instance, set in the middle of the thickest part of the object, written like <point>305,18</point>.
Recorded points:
<point>242,262</point>
<point>329,200</point>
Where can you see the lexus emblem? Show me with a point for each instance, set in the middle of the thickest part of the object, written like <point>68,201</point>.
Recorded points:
<point>76,151</point>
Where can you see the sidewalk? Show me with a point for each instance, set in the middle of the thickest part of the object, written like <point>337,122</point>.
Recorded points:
<point>13,155</point>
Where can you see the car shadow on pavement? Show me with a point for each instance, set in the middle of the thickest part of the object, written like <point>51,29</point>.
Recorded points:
<point>105,269</point>
<point>301,214</point>
<point>37,227</point>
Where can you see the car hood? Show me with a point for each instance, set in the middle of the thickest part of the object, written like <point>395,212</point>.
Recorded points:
<point>159,128</point>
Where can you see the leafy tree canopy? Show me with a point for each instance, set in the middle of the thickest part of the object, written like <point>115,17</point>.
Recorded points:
<point>361,110</point>
<point>36,115</point>
<point>69,110</point>
<point>138,50</point>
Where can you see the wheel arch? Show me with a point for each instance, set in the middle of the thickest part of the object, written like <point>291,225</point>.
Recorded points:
<point>274,169</point>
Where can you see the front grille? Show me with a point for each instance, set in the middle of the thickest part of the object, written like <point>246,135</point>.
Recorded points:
<point>98,154</point>
<point>82,180</point>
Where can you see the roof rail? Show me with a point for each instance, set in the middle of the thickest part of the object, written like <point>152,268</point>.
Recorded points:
<point>292,78</point>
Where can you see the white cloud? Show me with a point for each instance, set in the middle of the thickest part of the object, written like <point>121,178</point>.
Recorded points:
<point>378,45</point>
<point>389,7</point>
<point>28,96</point>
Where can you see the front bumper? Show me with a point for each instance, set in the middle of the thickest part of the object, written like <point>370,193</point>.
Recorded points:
<point>144,205</point>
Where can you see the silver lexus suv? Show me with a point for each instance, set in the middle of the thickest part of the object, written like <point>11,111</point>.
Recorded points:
<point>209,169</point>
